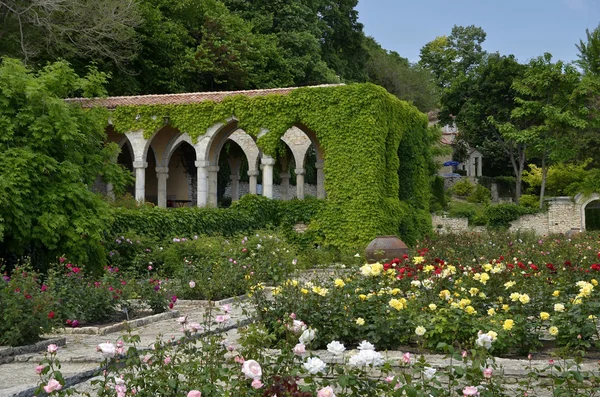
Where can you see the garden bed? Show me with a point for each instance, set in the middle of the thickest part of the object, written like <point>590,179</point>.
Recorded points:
<point>7,353</point>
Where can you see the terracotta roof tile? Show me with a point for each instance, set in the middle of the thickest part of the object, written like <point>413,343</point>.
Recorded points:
<point>177,99</point>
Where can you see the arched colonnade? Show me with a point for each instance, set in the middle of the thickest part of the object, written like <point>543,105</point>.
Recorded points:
<point>156,155</point>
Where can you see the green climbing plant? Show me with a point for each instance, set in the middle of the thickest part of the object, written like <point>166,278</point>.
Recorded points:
<point>360,127</point>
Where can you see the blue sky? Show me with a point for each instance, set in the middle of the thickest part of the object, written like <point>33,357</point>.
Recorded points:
<point>525,28</point>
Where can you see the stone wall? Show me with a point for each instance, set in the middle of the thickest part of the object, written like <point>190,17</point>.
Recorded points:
<point>564,215</point>
<point>537,223</point>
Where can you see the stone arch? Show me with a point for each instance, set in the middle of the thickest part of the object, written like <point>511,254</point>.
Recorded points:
<point>173,145</point>
<point>296,132</point>
<point>583,201</point>
<point>208,149</point>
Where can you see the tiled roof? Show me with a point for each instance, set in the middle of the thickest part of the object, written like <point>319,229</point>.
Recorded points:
<point>177,99</point>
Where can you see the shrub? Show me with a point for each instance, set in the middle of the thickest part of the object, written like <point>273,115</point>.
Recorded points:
<point>501,215</point>
<point>28,308</point>
<point>87,299</point>
<point>481,195</point>
<point>463,188</point>
<point>475,213</point>
<point>530,201</point>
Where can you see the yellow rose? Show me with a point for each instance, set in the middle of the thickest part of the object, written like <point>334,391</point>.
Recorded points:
<point>304,291</point>
<point>553,331</point>
<point>339,282</point>
<point>544,316</point>
<point>470,310</point>
<point>363,297</point>
<point>556,293</point>
<point>505,308</point>
<point>360,321</point>
<point>432,306</point>
<point>418,259</point>
<point>474,291</point>
<point>398,304</point>
<point>508,324</point>
<point>491,311</point>
<point>524,299</point>
<point>515,296</point>
<point>594,282</point>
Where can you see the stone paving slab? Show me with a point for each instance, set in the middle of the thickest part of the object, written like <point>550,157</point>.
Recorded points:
<point>79,355</point>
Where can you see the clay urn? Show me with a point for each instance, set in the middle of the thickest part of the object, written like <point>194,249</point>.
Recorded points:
<point>385,248</point>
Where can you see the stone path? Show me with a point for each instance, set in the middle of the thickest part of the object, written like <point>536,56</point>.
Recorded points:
<point>79,358</point>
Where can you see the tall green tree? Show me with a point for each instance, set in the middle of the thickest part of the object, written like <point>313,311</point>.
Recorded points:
<point>409,82</point>
<point>589,52</point>
<point>546,101</point>
<point>486,91</point>
<point>52,153</point>
<point>456,55</point>
<point>38,31</point>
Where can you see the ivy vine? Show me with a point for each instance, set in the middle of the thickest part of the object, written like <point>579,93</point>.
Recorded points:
<point>359,127</point>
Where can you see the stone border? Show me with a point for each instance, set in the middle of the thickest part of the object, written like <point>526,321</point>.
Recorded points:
<point>7,354</point>
<point>193,302</point>
<point>122,325</point>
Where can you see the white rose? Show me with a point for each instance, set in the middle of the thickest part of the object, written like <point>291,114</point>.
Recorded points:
<point>297,326</point>
<point>364,345</point>
<point>336,348</point>
<point>307,336</point>
<point>420,330</point>
<point>484,340</point>
<point>314,365</point>
<point>366,357</point>
<point>252,369</point>
<point>108,349</point>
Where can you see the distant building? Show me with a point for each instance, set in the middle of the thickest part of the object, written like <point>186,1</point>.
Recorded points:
<point>474,162</point>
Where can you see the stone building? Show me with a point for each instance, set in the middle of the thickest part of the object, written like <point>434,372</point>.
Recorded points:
<point>171,169</point>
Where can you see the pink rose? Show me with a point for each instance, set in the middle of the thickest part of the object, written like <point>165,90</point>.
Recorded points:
<point>406,358</point>
<point>470,391</point>
<point>326,392</point>
<point>221,318</point>
<point>194,393</point>
<point>167,360</point>
<point>192,284</point>
<point>299,349</point>
<point>39,369</point>
<point>256,383</point>
<point>487,373</point>
<point>121,390</point>
<point>226,308</point>
<point>252,369</point>
<point>239,359</point>
<point>52,348</point>
<point>52,385</point>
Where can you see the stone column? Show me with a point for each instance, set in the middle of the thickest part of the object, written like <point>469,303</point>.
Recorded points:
<point>320,180</point>
<point>140,180</point>
<point>235,164</point>
<point>267,162</point>
<point>285,185</point>
<point>471,167</point>
<point>162,173</point>
<point>479,166</point>
<point>202,185</point>
<point>212,185</point>
<point>300,183</point>
<point>252,181</point>
<point>109,191</point>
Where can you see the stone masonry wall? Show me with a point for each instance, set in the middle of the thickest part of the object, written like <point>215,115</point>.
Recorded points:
<point>309,190</point>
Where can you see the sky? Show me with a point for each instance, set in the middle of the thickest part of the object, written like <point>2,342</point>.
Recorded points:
<point>525,28</point>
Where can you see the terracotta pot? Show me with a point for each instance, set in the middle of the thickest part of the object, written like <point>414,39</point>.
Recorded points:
<point>384,248</point>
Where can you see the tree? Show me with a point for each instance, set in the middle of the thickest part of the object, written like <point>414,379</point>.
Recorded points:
<point>409,82</point>
<point>449,57</point>
<point>545,103</point>
<point>487,91</point>
<point>53,152</point>
<point>589,52</point>
<point>40,30</point>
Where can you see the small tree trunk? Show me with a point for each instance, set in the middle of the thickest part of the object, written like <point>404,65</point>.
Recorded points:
<point>544,173</point>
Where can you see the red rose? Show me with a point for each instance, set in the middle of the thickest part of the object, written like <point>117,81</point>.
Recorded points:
<point>51,315</point>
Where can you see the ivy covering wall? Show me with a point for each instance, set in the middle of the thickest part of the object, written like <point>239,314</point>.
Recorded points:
<point>359,127</point>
